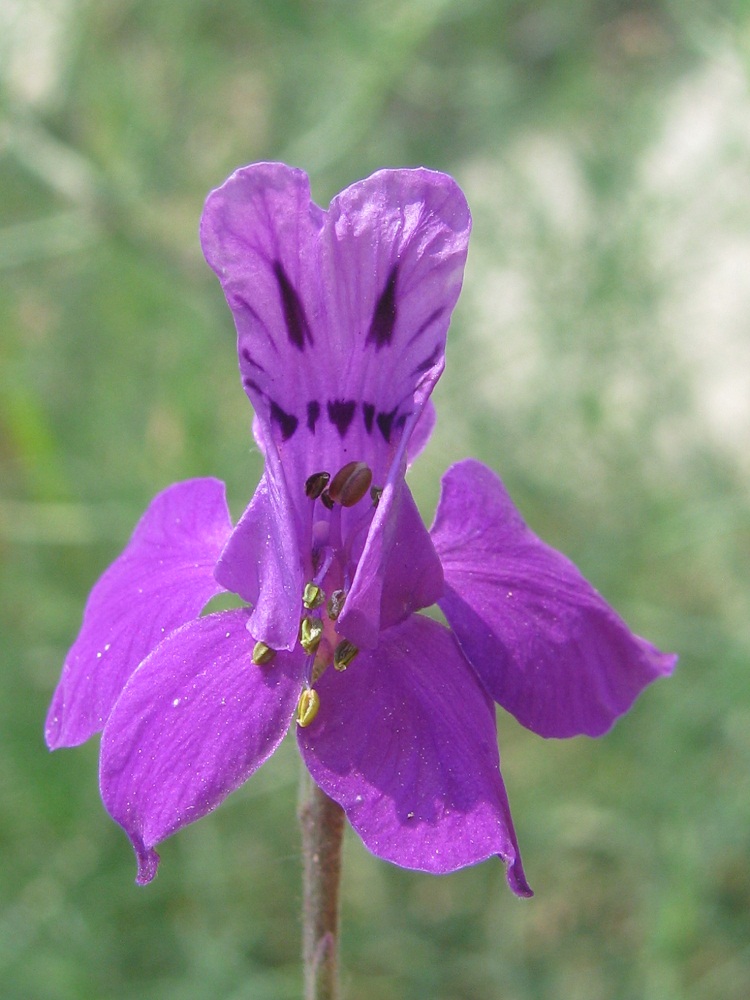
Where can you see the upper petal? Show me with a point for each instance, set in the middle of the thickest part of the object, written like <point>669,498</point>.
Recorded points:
<point>341,316</point>
<point>405,742</point>
<point>546,645</point>
<point>195,720</point>
<point>162,579</point>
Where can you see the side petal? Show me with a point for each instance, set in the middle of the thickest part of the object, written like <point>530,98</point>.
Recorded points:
<point>405,742</point>
<point>162,580</point>
<point>261,563</point>
<point>195,720</point>
<point>399,571</point>
<point>545,644</point>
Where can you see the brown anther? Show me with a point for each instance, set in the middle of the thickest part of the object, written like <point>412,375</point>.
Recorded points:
<point>350,483</point>
<point>344,654</point>
<point>262,654</point>
<point>335,604</point>
<point>316,483</point>
<point>376,493</point>
<point>326,501</point>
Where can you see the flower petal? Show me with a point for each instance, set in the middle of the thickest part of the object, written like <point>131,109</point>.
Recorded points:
<point>405,742</point>
<point>399,571</point>
<point>193,723</point>
<point>261,563</point>
<point>546,645</point>
<point>341,316</point>
<point>162,579</point>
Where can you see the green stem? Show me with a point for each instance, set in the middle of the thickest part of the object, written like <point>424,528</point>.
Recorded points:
<point>322,825</point>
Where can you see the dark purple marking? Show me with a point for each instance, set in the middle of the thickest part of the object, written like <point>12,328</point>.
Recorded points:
<point>428,362</point>
<point>427,323</point>
<point>313,412</point>
<point>252,386</point>
<point>385,423</point>
<point>384,316</point>
<point>341,413</point>
<point>247,356</point>
<point>297,326</point>
<point>368,411</point>
<point>287,421</point>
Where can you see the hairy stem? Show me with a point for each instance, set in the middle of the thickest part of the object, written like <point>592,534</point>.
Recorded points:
<point>322,825</point>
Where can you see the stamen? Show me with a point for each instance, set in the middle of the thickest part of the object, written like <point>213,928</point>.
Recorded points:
<point>344,654</point>
<point>316,483</point>
<point>326,501</point>
<point>350,484</point>
<point>262,654</point>
<point>312,596</point>
<point>307,707</point>
<point>310,633</point>
<point>376,493</point>
<point>335,604</point>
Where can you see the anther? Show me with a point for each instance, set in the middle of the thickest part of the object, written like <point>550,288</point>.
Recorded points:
<point>307,707</point>
<point>262,654</point>
<point>310,633</point>
<point>312,596</point>
<point>350,483</point>
<point>316,483</point>
<point>326,501</point>
<point>344,654</point>
<point>376,493</point>
<point>335,604</point>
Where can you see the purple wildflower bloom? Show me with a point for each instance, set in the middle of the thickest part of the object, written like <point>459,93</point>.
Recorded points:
<point>341,319</point>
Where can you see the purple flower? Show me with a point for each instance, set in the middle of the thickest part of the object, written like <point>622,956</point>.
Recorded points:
<point>341,319</point>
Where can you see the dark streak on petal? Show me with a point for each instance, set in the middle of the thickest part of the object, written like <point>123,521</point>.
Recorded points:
<point>385,423</point>
<point>252,386</point>
<point>384,316</point>
<point>297,326</point>
<point>427,323</point>
<point>287,421</point>
<point>401,421</point>
<point>341,413</point>
<point>247,356</point>
<point>429,361</point>
<point>313,412</point>
<point>368,411</point>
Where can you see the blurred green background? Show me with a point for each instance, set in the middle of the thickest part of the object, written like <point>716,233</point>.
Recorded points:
<point>599,360</point>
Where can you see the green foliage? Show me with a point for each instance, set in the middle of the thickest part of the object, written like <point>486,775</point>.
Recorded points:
<point>596,361</point>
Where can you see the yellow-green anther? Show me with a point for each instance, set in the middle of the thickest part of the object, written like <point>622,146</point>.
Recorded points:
<point>344,654</point>
<point>335,604</point>
<point>310,633</point>
<point>312,596</point>
<point>307,707</point>
<point>262,654</point>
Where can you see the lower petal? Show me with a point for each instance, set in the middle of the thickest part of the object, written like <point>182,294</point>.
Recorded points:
<point>545,644</point>
<point>163,579</point>
<point>405,742</point>
<point>193,723</point>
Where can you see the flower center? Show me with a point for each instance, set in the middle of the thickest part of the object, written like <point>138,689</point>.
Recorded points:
<point>338,533</point>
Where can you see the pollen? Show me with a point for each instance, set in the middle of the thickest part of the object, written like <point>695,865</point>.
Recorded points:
<point>307,707</point>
